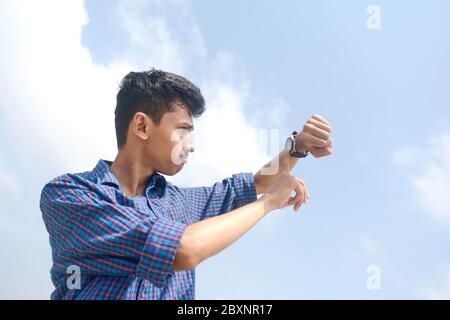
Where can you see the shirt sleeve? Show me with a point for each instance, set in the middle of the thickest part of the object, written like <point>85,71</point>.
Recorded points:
<point>229,194</point>
<point>104,238</point>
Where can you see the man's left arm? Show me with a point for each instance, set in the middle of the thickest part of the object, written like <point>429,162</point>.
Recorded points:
<point>315,138</point>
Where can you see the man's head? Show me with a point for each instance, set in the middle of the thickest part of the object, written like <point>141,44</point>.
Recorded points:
<point>153,117</point>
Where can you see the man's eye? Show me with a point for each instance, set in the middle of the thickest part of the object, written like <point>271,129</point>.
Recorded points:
<point>183,130</point>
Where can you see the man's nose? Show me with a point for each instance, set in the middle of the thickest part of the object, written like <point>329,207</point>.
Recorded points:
<point>189,146</point>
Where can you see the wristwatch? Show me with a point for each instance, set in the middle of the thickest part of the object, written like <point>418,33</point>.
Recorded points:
<point>290,145</point>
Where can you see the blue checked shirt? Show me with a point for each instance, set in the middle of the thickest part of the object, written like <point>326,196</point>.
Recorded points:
<point>125,247</point>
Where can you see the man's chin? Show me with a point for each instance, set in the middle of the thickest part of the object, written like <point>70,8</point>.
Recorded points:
<point>174,170</point>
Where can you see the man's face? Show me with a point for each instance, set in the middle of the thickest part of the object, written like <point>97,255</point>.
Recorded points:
<point>169,143</point>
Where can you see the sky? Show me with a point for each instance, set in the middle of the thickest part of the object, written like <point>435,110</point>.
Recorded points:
<point>377,225</point>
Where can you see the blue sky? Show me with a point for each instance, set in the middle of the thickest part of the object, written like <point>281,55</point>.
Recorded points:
<point>380,199</point>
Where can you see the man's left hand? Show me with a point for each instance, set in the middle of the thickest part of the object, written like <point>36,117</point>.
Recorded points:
<point>315,137</point>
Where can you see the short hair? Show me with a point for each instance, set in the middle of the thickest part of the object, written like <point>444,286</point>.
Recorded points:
<point>152,93</point>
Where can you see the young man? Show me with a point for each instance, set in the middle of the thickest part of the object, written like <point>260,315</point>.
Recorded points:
<point>121,231</point>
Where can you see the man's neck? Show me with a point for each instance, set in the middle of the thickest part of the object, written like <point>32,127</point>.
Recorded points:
<point>132,174</point>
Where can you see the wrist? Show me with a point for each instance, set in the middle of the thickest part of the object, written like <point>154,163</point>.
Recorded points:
<point>299,145</point>
<point>268,202</point>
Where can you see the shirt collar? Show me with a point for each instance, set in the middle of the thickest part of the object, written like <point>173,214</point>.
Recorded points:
<point>106,176</point>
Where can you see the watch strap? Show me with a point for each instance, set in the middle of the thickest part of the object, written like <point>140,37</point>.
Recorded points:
<point>293,152</point>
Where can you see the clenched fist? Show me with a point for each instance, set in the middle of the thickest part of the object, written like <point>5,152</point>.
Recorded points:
<point>315,137</point>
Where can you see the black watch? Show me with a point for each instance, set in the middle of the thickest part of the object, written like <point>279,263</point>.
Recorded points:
<point>290,145</point>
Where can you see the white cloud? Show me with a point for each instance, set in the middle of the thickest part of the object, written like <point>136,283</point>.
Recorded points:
<point>161,38</point>
<point>429,173</point>
<point>59,101</point>
<point>428,169</point>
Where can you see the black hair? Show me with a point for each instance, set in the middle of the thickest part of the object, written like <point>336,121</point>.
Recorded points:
<point>152,93</point>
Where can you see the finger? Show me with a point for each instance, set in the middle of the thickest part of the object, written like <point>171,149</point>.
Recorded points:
<point>303,188</point>
<point>316,131</point>
<point>298,205</point>
<point>313,141</point>
<point>321,119</point>
<point>328,144</point>
<point>320,152</point>
<point>299,198</point>
<point>319,124</point>
<point>307,195</point>
<point>291,201</point>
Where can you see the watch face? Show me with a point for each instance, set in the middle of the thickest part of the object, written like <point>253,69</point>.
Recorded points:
<point>288,144</point>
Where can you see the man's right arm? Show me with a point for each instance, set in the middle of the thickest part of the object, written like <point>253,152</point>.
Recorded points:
<point>210,236</point>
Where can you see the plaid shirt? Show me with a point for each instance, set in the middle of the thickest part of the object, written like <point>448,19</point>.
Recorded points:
<point>125,247</point>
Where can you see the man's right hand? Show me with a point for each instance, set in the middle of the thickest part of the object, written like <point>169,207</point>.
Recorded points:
<point>279,194</point>
<point>208,237</point>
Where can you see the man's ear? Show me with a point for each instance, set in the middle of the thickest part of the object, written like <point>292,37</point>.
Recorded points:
<point>142,125</point>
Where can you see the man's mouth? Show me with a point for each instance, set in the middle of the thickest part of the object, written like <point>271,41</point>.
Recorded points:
<point>184,159</point>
